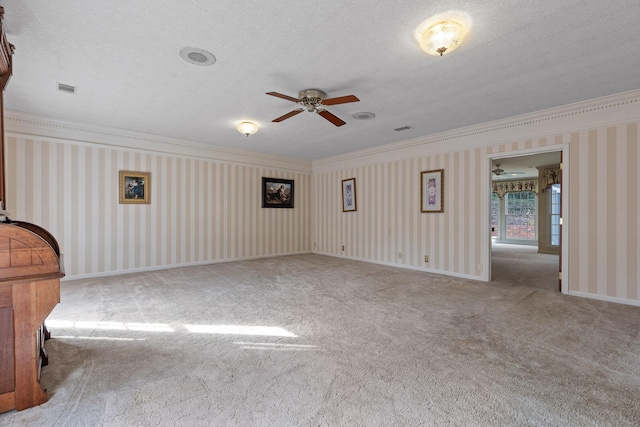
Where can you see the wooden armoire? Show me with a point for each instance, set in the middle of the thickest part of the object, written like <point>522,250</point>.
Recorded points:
<point>30,271</point>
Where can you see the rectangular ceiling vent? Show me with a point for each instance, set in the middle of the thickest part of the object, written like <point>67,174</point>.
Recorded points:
<point>67,88</point>
<point>402,128</point>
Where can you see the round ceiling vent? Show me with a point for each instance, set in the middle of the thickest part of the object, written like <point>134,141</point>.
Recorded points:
<point>196,56</point>
<point>363,116</point>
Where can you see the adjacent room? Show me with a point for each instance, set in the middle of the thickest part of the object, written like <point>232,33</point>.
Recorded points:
<point>328,213</point>
<point>526,200</point>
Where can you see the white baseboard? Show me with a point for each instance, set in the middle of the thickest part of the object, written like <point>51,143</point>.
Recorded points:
<point>166,267</point>
<point>605,298</point>
<point>409,267</point>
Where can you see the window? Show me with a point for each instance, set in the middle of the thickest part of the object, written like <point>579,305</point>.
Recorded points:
<point>520,213</point>
<point>554,206</point>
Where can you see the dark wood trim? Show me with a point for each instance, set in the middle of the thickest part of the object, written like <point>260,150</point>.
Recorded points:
<point>6,69</point>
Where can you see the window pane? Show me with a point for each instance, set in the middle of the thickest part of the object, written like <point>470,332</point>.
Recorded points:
<point>555,214</point>
<point>521,215</point>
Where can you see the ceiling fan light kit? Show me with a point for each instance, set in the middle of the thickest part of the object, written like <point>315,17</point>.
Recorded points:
<point>313,100</point>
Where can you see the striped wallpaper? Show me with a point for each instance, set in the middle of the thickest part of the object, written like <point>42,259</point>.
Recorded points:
<point>205,205</point>
<point>201,210</point>
<point>605,210</point>
<point>388,227</point>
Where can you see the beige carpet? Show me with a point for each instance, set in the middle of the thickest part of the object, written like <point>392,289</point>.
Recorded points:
<point>521,265</point>
<point>318,341</point>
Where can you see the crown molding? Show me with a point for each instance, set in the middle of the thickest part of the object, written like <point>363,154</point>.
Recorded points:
<point>614,109</point>
<point>22,124</point>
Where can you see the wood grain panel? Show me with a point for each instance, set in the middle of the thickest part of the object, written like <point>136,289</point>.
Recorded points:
<point>23,254</point>
<point>26,321</point>
<point>7,401</point>
<point>5,296</point>
<point>7,379</point>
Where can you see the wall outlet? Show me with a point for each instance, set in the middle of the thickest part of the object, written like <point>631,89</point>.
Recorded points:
<point>480,267</point>
<point>315,244</point>
<point>400,255</point>
<point>342,248</point>
<point>426,258</point>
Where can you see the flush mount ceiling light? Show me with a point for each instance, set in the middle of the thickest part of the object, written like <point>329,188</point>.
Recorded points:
<point>443,32</point>
<point>442,37</point>
<point>247,128</point>
<point>196,56</point>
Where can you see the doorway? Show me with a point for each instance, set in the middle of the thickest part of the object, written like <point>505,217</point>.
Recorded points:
<point>525,242</point>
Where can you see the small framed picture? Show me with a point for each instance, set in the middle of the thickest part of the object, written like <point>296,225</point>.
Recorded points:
<point>349,195</point>
<point>135,187</point>
<point>277,193</point>
<point>432,191</point>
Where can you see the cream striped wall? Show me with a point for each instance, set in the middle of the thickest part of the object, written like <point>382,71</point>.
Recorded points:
<point>206,202</point>
<point>388,226</point>
<point>605,211</point>
<point>202,210</point>
<point>602,184</point>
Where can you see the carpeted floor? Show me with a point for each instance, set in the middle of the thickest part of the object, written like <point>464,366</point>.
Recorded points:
<point>521,265</point>
<point>311,340</point>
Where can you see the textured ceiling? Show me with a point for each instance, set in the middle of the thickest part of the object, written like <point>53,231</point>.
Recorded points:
<point>521,167</point>
<point>520,56</point>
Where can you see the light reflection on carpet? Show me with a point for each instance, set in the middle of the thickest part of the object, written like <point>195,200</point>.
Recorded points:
<point>255,330</point>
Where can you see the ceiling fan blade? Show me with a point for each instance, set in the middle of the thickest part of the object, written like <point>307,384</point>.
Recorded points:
<point>340,100</point>
<point>332,118</point>
<point>289,114</point>
<point>287,97</point>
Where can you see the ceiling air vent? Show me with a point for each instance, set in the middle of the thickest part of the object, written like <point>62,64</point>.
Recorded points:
<point>67,88</point>
<point>402,128</point>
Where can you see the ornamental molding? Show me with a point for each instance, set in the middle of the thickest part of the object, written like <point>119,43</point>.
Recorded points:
<point>599,112</point>
<point>19,124</point>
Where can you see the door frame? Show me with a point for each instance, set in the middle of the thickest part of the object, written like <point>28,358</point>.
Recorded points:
<point>564,239</point>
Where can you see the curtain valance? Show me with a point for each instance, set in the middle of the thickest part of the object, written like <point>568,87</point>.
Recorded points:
<point>550,177</point>
<point>503,187</point>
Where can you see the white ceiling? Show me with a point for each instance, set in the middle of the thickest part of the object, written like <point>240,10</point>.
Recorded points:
<point>520,56</point>
<point>521,167</point>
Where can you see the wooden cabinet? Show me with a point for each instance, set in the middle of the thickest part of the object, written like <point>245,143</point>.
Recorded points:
<point>30,271</point>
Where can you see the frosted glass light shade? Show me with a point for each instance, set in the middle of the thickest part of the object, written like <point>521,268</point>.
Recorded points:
<point>247,128</point>
<point>442,37</point>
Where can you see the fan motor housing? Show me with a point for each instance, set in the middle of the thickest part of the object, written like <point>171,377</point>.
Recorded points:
<point>312,93</point>
<point>311,98</point>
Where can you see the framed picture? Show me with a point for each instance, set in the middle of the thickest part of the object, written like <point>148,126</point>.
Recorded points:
<point>432,191</point>
<point>135,187</point>
<point>277,193</point>
<point>349,195</point>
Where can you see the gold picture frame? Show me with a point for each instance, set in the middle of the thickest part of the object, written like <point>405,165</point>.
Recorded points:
<point>432,191</point>
<point>135,187</point>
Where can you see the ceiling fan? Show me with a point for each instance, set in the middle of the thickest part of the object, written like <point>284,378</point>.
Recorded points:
<point>497,171</point>
<point>313,100</point>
